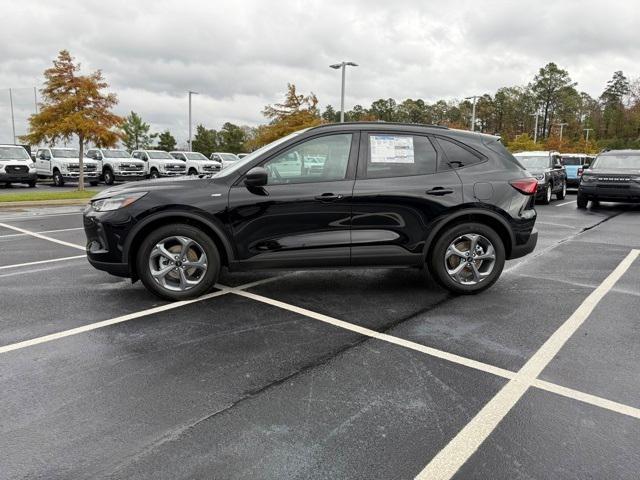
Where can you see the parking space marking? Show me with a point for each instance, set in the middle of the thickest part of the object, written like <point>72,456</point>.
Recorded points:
<point>449,460</point>
<point>468,362</point>
<point>51,260</point>
<point>42,237</point>
<point>44,231</point>
<point>565,203</point>
<point>35,217</point>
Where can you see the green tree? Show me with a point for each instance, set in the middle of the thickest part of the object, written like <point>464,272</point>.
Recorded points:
<point>74,105</point>
<point>613,114</point>
<point>330,115</point>
<point>548,86</point>
<point>384,110</point>
<point>523,143</point>
<point>135,133</point>
<point>205,141</point>
<point>231,138</point>
<point>166,141</point>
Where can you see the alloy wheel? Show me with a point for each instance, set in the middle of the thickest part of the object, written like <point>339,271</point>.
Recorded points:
<point>470,259</point>
<point>548,194</point>
<point>178,263</point>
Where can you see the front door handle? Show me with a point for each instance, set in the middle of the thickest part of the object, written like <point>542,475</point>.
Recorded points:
<point>439,191</point>
<point>329,197</point>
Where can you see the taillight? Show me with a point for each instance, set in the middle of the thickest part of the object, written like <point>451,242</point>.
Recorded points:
<point>527,186</point>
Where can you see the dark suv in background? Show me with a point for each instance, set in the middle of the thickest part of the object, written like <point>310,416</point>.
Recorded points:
<point>341,195</point>
<point>614,176</point>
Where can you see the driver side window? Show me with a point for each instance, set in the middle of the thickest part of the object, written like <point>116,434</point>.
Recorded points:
<point>322,159</point>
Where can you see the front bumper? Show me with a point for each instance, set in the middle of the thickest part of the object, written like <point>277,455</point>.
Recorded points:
<point>76,175</point>
<point>103,234</point>
<point>627,192</point>
<point>18,177</point>
<point>526,248</point>
<point>172,173</point>
<point>124,176</point>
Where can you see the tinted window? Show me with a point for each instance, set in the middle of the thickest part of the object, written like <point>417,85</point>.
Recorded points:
<point>319,160</point>
<point>572,161</point>
<point>399,156</point>
<point>456,153</point>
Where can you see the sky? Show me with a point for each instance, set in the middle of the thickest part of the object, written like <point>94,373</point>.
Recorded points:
<point>239,55</point>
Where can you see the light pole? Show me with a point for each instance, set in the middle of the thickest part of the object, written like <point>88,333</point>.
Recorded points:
<point>473,111</point>
<point>190,93</point>
<point>561,125</point>
<point>535,129</point>
<point>587,130</point>
<point>13,121</point>
<point>343,66</point>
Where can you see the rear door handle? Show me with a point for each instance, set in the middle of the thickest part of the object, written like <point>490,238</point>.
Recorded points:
<point>329,197</point>
<point>439,191</point>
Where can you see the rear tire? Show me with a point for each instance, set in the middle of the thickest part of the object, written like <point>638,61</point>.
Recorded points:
<point>582,200</point>
<point>563,192</point>
<point>473,276</point>
<point>170,285</point>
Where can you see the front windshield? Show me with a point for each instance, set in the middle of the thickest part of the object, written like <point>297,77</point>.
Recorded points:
<point>65,153</point>
<point>13,153</point>
<point>572,160</point>
<point>229,157</point>
<point>250,157</point>
<point>618,160</point>
<point>195,156</point>
<point>160,155</point>
<point>533,162</point>
<point>115,154</point>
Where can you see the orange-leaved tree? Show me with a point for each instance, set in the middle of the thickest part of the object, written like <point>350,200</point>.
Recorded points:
<point>74,105</point>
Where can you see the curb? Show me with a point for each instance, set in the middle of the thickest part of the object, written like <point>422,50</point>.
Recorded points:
<point>45,203</point>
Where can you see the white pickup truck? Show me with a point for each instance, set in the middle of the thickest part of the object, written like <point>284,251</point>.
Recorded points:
<point>159,163</point>
<point>197,163</point>
<point>16,166</point>
<point>225,159</point>
<point>117,165</point>
<point>63,165</point>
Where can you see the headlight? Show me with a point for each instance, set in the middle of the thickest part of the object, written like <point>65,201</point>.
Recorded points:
<point>32,167</point>
<point>116,202</point>
<point>540,177</point>
<point>1,166</point>
<point>588,178</point>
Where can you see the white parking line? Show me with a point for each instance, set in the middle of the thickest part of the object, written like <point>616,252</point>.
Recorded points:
<point>16,265</point>
<point>43,237</point>
<point>35,217</point>
<point>449,460</point>
<point>10,235</point>
<point>565,203</point>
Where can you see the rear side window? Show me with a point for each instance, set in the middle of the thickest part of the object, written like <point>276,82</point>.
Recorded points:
<point>393,155</point>
<point>456,153</point>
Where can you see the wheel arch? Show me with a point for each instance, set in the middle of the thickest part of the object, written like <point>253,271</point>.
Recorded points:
<point>478,215</point>
<point>143,228</point>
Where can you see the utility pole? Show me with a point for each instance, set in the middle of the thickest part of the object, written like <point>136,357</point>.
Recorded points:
<point>13,121</point>
<point>190,93</point>
<point>473,111</point>
<point>561,125</point>
<point>587,130</point>
<point>35,99</point>
<point>535,129</point>
<point>343,66</point>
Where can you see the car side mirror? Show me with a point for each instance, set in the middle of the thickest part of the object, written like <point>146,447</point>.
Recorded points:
<point>557,165</point>
<point>256,177</point>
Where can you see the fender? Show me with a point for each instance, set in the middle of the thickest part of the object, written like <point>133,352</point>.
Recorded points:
<point>217,229</point>
<point>439,224</point>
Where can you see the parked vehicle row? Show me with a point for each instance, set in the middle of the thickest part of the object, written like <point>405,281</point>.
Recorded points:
<point>63,165</point>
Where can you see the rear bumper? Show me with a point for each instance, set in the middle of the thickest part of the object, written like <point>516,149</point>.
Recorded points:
<point>526,248</point>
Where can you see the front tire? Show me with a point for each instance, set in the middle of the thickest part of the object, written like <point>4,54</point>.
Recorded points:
<point>467,258</point>
<point>93,184</point>
<point>582,200</point>
<point>32,184</point>
<point>546,198</point>
<point>193,171</point>
<point>58,181</point>
<point>108,177</point>
<point>178,261</point>
<point>154,174</point>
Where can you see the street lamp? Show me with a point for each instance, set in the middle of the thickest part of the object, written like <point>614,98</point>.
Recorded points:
<point>587,130</point>
<point>473,111</point>
<point>343,66</point>
<point>190,93</point>
<point>561,125</point>
<point>535,129</point>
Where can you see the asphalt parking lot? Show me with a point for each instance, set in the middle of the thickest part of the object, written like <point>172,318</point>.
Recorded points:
<point>372,374</point>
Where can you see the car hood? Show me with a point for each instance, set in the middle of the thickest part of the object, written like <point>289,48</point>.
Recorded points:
<point>157,185</point>
<point>615,171</point>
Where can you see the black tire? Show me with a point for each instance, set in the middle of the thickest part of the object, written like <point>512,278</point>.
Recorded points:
<point>208,245</point>
<point>582,200</point>
<point>193,171</point>
<point>93,184</point>
<point>563,191</point>
<point>154,174</point>
<point>437,260</point>
<point>108,176</point>
<point>32,184</point>
<point>546,197</point>
<point>58,181</point>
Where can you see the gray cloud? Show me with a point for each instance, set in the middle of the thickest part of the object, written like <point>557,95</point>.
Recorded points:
<point>240,54</point>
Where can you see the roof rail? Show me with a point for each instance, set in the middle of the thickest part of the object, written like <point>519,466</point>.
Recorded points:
<point>378,122</point>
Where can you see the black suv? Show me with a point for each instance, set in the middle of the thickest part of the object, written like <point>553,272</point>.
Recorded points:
<point>341,195</point>
<point>614,176</point>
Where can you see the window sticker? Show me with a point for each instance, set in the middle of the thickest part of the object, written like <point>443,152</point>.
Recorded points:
<point>391,149</point>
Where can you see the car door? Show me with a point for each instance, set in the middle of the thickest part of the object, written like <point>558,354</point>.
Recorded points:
<point>43,163</point>
<point>398,191</point>
<point>302,216</point>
